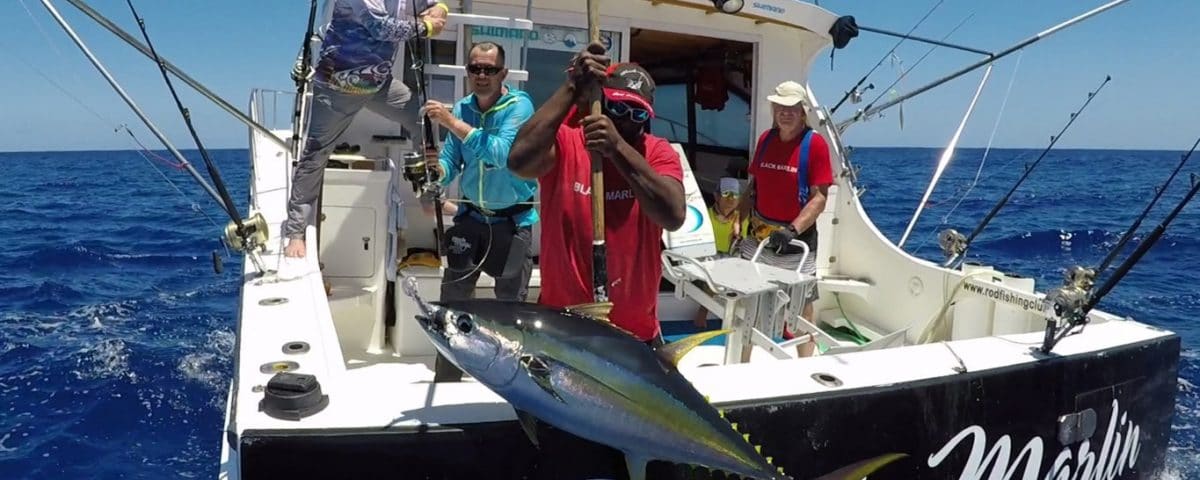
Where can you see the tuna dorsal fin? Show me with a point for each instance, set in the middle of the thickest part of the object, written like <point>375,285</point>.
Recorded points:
<point>862,468</point>
<point>597,310</point>
<point>528,424</point>
<point>674,351</point>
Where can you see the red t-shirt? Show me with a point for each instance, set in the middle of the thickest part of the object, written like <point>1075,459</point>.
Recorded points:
<point>777,183</point>
<point>633,239</point>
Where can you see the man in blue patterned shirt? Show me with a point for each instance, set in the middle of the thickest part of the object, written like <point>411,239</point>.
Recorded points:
<point>353,71</point>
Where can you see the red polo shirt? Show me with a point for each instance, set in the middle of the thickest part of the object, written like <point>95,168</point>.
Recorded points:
<point>633,240</point>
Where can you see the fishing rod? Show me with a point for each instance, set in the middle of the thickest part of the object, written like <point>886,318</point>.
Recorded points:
<point>302,80</point>
<point>1138,222</point>
<point>599,248</point>
<point>220,102</point>
<point>872,110</point>
<point>1073,302</point>
<point>952,242</point>
<point>416,164</point>
<point>854,91</point>
<point>226,200</point>
<point>248,236</point>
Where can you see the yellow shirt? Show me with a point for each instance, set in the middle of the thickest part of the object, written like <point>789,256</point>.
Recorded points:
<point>722,230</point>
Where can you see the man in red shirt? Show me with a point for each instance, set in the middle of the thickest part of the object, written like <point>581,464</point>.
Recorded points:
<point>789,181</point>
<point>643,190</point>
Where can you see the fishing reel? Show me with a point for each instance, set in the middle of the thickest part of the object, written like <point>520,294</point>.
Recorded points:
<point>952,243</point>
<point>418,173</point>
<point>1068,303</point>
<point>251,240</point>
<point>856,95</point>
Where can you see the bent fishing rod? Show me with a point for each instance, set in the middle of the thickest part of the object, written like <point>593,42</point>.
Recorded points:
<point>1073,302</point>
<point>952,242</point>
<point>871,110</point>
<point>1138,222</point>
<point>205,92</point>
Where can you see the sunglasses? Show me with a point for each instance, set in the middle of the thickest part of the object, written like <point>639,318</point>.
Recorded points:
<point>487,70</point>
<point>729,194</point>
<point>619,109</point>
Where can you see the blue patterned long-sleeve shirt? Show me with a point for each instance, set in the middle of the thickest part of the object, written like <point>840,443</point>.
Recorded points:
<point>360,41</point>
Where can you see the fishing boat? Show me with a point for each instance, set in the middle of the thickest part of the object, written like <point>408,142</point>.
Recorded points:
<point>964,370</point>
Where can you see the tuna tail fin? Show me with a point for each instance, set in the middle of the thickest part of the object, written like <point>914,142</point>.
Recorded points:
<point>674,351</point>
<point>860,469</point>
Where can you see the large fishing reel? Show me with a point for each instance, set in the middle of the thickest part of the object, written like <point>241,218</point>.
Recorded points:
<point>1067,304</point>
<point>418,173</point>
<point>250,240</point>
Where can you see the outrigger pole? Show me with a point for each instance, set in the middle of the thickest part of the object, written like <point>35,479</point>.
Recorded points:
<point>599,249</point>
<point>133,42</point>
<point>872,110</point>
<point>132,105</point>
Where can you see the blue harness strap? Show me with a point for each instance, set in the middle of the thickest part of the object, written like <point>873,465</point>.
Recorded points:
<point>802,167</point>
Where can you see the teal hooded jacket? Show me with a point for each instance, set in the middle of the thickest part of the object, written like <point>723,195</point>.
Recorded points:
<point>481,158</point>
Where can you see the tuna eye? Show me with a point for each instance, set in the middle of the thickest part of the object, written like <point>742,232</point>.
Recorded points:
<point>464,323</point>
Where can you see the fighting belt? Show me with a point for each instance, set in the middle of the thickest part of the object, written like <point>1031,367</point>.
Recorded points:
<point>761,228</point>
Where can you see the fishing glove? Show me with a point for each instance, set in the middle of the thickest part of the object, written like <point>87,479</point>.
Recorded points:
<point>780,239</point>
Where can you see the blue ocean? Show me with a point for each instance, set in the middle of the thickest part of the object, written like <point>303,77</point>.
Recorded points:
<point>116,334</point>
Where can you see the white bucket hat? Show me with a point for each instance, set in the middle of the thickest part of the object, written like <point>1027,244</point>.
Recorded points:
<point>788,94</point>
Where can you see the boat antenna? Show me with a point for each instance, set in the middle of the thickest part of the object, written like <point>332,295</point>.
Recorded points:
<point>854,91</point>
<point>871,110</point>
<point>245,237</point>
<point>1072,302</point>
<point>953,244</point>
<point>1138,221</point>
<point>303,77</point>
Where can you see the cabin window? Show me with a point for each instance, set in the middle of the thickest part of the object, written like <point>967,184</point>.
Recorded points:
<point>727,128</point>
<point>550,50</point>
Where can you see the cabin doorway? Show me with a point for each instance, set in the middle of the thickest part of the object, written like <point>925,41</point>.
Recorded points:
<point>703,99</point>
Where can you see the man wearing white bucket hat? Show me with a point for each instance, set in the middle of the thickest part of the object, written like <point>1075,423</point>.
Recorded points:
<point>790,176</point>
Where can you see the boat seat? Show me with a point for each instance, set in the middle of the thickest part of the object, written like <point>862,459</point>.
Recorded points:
<point>753,299</point>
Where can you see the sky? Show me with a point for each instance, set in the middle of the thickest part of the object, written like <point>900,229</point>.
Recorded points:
<point>233,46</point>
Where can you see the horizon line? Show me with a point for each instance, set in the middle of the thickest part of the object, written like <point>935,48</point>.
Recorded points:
<point>852,147</point>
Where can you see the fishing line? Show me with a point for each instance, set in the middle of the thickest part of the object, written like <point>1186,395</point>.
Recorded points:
<point>103,119</point>
<point>214,174</point>
<point>971,186</point>
<point>888,89</point>
<point>884,57</point>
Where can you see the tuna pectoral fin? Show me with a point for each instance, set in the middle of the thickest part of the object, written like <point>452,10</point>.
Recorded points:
<point>636,466</point>
<point>858,470</point>
<point>539,371</point>
<point>674,351</point>
<point>528,424</point>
